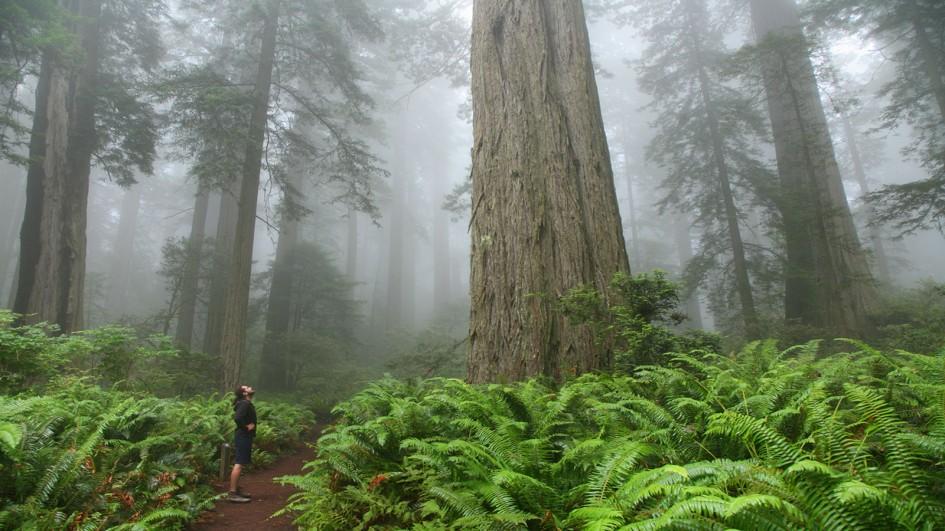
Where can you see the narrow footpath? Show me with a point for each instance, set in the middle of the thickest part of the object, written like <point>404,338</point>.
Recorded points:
<point>268,497</point>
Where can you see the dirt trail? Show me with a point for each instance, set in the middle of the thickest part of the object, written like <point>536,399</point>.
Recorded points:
<point>268,497</point>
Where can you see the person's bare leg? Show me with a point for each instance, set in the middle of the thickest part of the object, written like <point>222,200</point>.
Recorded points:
<point>235,477</point>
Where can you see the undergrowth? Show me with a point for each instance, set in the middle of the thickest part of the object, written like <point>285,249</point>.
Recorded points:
<point>96,449</point>
<point>762,439</point>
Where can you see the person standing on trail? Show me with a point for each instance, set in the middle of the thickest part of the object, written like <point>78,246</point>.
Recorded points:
<point>244,414</point>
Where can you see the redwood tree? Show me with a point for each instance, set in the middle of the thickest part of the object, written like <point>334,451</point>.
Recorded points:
<point>544,215</point>
<point>828,281</point>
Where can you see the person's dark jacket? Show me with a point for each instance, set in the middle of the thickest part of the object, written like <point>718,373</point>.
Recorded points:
<point>244,415</point>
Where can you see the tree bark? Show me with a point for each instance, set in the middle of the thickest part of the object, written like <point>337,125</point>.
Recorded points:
<point>123,251</point>
<point>190,284</point>
<point>237,294</point>
<point>828,282</point>
<point>222,251</point>
<point>52,254</point>
<point>859,172</point>
<point>545,217</point>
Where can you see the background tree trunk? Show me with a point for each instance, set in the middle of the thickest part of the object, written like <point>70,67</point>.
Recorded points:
<point>8,256</point>
<point>237,293</point>
<point>828,282</point>
<point>742,281</point>
<point>631,205</point>
<point>273,364</point>
<point>222,251</point>
<point>545,216</point>
<point>684,253</point>
<point>52,254</point>
<point>441,236</point>
<point>191,282</point>
<point>351,256</point>
<point>394,312</point>
<point>123,251</point>
<point>859,173</point>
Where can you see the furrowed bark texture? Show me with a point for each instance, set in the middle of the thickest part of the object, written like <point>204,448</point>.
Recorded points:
<point>236,299</point>
<point>828,281</point>
<point>545,216</point>
<point>52,256</point>
<point>191,281</point>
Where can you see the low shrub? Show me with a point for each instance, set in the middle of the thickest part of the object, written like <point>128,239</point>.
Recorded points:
<point>761,439</point>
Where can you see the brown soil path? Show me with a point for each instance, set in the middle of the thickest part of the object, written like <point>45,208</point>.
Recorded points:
<point>268,497</point>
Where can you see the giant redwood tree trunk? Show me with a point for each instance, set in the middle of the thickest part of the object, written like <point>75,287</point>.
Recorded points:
<point>236,298</point>
<point>52,253</point>
<point>544,216</point>
<point>828,281</point>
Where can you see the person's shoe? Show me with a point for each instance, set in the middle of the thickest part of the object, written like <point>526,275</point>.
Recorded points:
<point>236,497</point>
<point>244,494</point>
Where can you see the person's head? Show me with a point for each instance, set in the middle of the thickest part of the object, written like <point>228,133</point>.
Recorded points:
<point>244,391</point>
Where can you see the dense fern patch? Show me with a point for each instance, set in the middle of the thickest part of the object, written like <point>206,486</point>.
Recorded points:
<point>762,439</point>
<point>80,457</point>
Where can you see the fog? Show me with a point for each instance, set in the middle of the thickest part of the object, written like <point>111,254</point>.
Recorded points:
<point>403,257</point>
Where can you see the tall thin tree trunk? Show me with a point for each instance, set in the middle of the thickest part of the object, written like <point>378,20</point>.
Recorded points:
<point>828,281</point>
<point>191,282</point>
<point>545,217</point>
<point>274,365</point>
<point>441,237</point>
<point>123,251</point>
<point>394,313</point>
<point>8,258</point>
<point>742,281</point>
<point>351,256</point>
<point>409,259</point>
<point>237,294</point>
<point>684,253</point>
<point>222,252</point>
<point>876,237</point>
<point>52,253</point>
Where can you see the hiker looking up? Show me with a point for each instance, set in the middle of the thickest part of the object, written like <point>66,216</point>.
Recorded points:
<point>244,414</point>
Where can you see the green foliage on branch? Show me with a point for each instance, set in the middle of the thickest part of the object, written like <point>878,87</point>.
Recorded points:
<point>761,439</point>
<point>636,315</point>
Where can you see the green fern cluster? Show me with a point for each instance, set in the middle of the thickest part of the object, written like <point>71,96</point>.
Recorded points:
<point>80,457</point>
<point>762,439</point>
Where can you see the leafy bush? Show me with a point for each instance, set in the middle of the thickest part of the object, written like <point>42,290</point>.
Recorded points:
<point>763,439</point>
<point>31,355</point>
<point>83,457</point>
<point>636,315</point>
<point>96,450</point>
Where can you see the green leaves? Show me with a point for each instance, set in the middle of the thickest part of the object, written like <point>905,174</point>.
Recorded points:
<point>760,439</point>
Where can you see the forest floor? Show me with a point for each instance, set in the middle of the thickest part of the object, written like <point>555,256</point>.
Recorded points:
<point>268,496</point>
